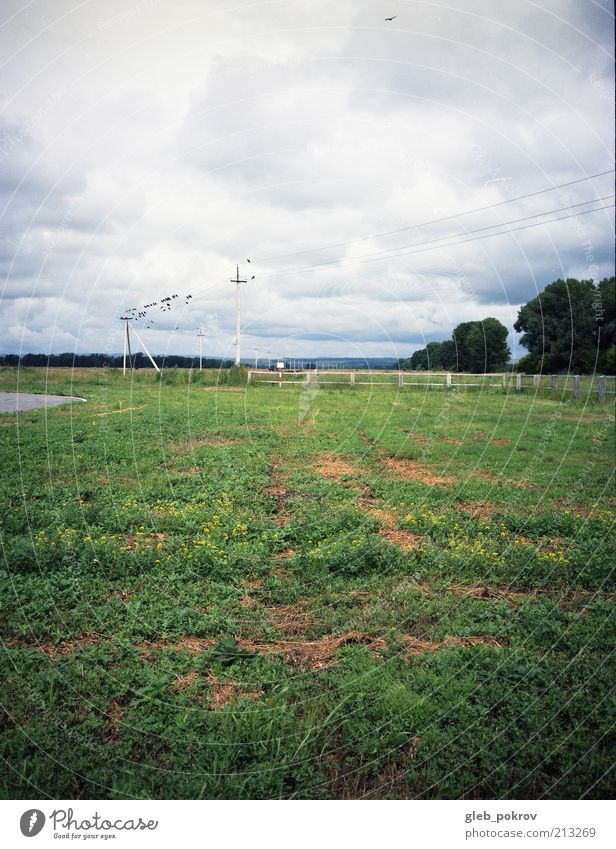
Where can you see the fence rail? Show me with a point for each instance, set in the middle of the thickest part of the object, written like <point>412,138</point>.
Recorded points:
<point>581,386</point>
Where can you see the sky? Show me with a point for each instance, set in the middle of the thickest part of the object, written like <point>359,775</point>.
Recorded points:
<point>148,148</point>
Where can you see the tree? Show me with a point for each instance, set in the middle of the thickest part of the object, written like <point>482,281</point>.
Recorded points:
<point>475,346</point>
<point>605,306</point>
<point>569,326</point>
<point>481,346</point>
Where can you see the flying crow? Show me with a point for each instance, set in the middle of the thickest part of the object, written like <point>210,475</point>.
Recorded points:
<point>392,17</point>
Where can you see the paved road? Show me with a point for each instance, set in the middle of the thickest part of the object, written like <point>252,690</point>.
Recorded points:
<point>12,402</point>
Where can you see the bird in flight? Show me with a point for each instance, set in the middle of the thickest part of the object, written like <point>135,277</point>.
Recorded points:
<point>392,17</point>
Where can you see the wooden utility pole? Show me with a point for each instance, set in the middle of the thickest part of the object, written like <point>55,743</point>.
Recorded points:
<point>201,337</point>
<point>237,282</point>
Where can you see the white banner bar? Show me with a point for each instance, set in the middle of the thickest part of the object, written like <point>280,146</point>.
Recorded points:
<point>284,824</point>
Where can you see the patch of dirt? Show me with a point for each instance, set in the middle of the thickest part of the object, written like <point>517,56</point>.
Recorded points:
<point>451,440</point>
<point>192,470</point>
<point>183,682</point>
<point>287,554</point>
<point>252,584</point>
<point>358,487</point>
<point>331,467</point>
<point>292,620</point>
<point>125,410</point>
<point>194,645</point>
<point>54,650</point>
<point>224,690</point>
<point>248,601</point>
<point>477,509</point>
<point>387,518</point>
<point>417,437</point>
<point>317,654</point>
<point>282,519</point>
<point>132,541</point>
<point>276,491</point>
<point>403,539</point>
<point>501,442</point>
<point>415,646</point>
<point>415,471</point>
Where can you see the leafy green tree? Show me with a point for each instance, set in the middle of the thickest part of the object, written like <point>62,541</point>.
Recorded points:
<point>481,346</point>
<point>569,326</point>
<point>605,306</point>
<point>475,346</point>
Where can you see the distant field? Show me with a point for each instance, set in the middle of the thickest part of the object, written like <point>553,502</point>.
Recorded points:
<point>312,593</point>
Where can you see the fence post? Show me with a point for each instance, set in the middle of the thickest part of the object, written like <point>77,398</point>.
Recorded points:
<point>576,386</point>
<point>352,380</point>
<point>504,380</point>
<point>448,379</point>
<point>249,378</point>
<point>601,387</point>
<point>536,380</point>
<point>554,381</point>
<point>400,380</point>
<point>518,381</point>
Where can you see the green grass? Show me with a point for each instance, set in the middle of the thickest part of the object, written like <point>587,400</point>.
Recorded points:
<point>194,605</point>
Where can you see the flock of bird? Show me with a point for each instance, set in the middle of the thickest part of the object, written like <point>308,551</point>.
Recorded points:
<point>164,305</point>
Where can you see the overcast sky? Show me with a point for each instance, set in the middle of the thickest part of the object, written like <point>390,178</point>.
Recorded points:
<point>147,148</point>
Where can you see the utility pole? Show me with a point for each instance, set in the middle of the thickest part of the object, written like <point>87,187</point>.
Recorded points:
<point>201,337</point>
<point>237,282</point>
<point>128,318</point>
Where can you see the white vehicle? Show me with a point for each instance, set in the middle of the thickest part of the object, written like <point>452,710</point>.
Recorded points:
<point>279,365</point>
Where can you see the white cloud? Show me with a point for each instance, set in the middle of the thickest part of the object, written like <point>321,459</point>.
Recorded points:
<point>147,148</point>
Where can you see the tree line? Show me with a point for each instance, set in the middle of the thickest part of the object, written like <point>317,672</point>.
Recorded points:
<point>139,360</point>
<point>569,327</point>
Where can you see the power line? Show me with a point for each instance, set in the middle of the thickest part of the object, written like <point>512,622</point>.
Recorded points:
<point>435,220</point>
<point>422,249</point>
<point>395,252</point>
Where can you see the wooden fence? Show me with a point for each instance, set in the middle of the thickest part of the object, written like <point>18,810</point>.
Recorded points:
<point>601,387</point>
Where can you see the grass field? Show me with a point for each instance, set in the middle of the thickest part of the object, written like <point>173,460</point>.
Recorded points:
<point>305,593</point>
